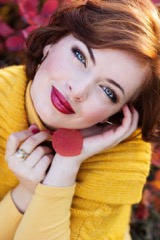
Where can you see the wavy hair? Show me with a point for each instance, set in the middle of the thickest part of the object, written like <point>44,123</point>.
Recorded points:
<point>130,25</point>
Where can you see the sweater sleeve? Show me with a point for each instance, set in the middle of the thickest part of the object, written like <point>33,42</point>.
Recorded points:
<point>107,186</point>
<point>117,175</point>
<point>9,218</point>
<point>48,216</point>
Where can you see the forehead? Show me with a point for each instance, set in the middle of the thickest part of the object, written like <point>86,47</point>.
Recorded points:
<point>120,62</point>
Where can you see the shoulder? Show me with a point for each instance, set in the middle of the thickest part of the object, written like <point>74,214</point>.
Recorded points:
<point>13,84</point>
<point>12,78</point>
<point>117,175</point>
<point>14,74</point>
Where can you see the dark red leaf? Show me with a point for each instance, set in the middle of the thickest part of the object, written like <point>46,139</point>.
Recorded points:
<point>142,212</point>
<point>15,43</point>
<point>5,29</point>
<point>28,9</point>
<point>49,7</point>
<point>39,20</point>
<point>147,198</point>
<point>156,158</point>
<point>27,30</point>
<point>156,1</point>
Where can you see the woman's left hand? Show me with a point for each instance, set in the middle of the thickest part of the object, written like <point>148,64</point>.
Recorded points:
<point>109,136</point>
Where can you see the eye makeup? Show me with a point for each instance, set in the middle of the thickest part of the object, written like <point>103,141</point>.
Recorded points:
<point>110,93</point>
<point>79,55</point>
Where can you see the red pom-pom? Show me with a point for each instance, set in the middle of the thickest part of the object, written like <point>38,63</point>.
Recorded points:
<point>67,142</point>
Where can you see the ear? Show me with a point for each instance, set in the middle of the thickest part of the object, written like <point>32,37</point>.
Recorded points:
<point>105,120</point>
<point>46,49</point>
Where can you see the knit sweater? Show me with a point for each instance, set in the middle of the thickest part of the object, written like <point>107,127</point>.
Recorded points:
<point>107,184</point>
<point>12,118</point>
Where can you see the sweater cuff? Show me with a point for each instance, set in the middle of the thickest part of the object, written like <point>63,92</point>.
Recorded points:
<point>10,218</point>
<point>8,204</point>
<point>48,215</point>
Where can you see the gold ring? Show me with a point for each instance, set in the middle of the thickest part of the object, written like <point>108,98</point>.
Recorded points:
<point>21,153</point>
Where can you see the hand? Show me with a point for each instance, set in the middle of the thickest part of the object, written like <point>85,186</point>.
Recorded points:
<point>63,170</point>
<point>97,139</point>
<point>31,170</point>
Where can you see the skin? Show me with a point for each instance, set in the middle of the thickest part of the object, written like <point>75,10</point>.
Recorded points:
<point>87,87</point>
<point>63,170</point>
<point>81,84</point>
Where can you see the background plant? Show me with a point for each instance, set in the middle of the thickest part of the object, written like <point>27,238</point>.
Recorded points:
<point>17,19</point>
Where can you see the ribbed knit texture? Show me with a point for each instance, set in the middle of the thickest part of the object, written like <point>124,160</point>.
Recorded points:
<point>107,184</point>
<point>12,117</point>
<point>31,112</point>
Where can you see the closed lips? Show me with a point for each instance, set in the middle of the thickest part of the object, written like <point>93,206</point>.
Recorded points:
<point>60,102</point>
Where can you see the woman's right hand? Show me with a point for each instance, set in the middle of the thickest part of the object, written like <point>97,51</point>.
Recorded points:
<point>31,170</point>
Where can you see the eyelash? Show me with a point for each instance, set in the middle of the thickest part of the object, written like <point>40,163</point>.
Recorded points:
<point>77,53</point>
<point>110,93</point>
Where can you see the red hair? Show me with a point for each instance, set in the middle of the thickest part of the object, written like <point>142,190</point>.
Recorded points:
<point>130,25</point>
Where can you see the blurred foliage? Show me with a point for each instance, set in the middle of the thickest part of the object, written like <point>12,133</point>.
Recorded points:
<point>17,19</point>
<point>145,220</point>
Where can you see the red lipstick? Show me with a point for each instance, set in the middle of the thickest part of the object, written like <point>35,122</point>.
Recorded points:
<point>60,102</point>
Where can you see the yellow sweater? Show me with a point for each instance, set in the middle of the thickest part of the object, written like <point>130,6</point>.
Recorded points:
<point>107,184</point>
<point>12,118</point>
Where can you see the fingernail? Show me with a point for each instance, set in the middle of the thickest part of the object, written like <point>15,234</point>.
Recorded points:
<point>35,130</point>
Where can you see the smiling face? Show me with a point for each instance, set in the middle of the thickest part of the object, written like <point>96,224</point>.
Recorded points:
<point>77,87</point>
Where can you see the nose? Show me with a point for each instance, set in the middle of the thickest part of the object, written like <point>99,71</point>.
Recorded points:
<point>78,90</point>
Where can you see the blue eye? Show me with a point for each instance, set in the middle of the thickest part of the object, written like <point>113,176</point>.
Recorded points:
<point>110,93</point>
<point>79,55</point>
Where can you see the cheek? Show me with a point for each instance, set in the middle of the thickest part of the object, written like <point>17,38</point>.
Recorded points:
<point>94,116</point>
<point>58,62</point>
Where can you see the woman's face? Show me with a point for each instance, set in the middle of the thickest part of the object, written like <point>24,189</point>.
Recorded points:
<point>76,87</point>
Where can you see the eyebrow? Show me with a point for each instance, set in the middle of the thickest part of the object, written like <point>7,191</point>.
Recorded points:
<point>108,79</point>
<point>91,54</point>
<point>115,84</point>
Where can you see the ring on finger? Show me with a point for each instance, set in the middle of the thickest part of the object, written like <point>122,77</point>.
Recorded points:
<point>21,153</point>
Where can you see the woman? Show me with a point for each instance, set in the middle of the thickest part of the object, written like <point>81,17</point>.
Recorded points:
<point>94,68</point>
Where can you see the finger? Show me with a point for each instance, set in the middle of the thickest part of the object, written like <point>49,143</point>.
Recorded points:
<point>126,121</point>
<point>134,122</point>
<point>33,141</point>
<point>15,139</point>
<point>130,116</point>
<point>42,166</point>
<point>120,130</point>
<point>37,155</point>
<point>110,137</point>
<point>130,122</point>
